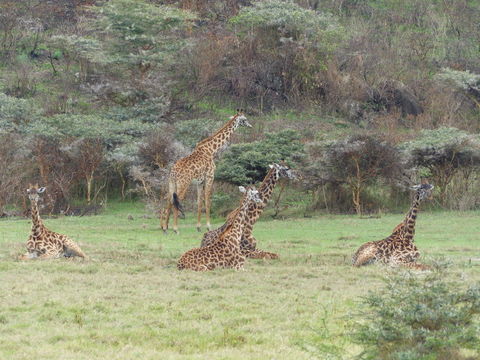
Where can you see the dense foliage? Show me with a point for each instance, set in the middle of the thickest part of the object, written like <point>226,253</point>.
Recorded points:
<point>443,153</point>
<point>419,318</point>
<point>122,79</point>
<point>248,163</point>
<point>357,161</point>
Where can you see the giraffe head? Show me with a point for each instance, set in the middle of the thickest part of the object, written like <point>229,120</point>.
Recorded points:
<point>251,193</point>
<point>283,171</point>
<point>423,190</point>
<point>240,119</point>
<point>34,192</point>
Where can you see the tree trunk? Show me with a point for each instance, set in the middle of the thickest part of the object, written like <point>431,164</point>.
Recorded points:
<point>89,179</point>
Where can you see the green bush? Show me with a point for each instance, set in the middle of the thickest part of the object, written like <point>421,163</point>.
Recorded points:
<point>248,163</point>
<point>420,318</point>
<point>14,113</point>
<point>442,153</point>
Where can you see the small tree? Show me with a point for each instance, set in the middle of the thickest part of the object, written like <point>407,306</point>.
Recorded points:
<point>15,113</point>
<point>284,49</point>
<point>150,173</point>
<point>358,161</point>
<point>85,140</point>
<point>419,318</point>
<point>15,165</point>
<point>464,80</point>
<point>248,163</point>
<point>443,153</point>
<point>139,34</point>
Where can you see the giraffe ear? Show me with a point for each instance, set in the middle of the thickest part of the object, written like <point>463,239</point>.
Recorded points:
<point>270,166</point>
<point>242,189</point>
<point>41,190</point>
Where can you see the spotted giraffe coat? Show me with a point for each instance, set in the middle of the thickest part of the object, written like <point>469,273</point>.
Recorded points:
<point>248,243</point>
<point>398,248</point>
<point>198,167</point>
<point>225,252</point>
<point>44,243</point>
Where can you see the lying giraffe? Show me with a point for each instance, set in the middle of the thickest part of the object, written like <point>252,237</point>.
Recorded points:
<point>398,248</point>
<point>199,166</point>
<point>225,252</point>
<point>248,243</point>
<point>43,243</point>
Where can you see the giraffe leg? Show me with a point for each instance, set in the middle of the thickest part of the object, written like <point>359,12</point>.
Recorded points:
<point>28,256</point>
<point>208,200</point>
<point>51,253</point>
<point>166,216</point>
<point>365,255</point>
<point>260,254</point>
<point>239,263</point>
<point>417,266</point>
<point>175,220</point>
<point>47,256</point>
<point>249,249</point>
<point>71,248</point>
<point>200,205</point>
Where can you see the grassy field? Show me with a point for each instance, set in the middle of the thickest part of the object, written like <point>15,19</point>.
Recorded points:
<point>128,301</point>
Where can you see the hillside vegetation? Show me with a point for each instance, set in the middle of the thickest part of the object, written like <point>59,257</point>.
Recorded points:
<point>363,98</point>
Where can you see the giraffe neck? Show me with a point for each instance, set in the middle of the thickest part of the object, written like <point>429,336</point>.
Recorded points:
<point>236,230</point>
<point>218,140</point>
<point>37,224</point>
<point>411,219</point>
<point>266,189</point>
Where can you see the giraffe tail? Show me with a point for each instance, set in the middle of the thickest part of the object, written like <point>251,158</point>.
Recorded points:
<point>178,206</point>
<point>72,249</point>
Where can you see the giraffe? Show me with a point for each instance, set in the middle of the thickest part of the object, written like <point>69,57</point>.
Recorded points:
<point>398,248</point>
<point>248,243</point>
<point>198,167</point>
<point>42,242</point>
<point>225,252</point>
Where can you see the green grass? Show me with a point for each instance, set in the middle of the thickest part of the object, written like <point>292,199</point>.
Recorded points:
<point>128,301</point>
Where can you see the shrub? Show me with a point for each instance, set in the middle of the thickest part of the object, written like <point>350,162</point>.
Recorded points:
<point>419,318</point>
<point>14,113</point>
<point>140,34</point>
<point>155,156</point>
<point>443,153</point>
<point>248,163</point>
<point>276,54</point>
<point>464,80</point>
<point>357,162</point>
<point>15,165</point>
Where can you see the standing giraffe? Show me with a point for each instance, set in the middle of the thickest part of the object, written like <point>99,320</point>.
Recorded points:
<point>44,243</point>
<point>199,167</point>
<point>225,252</point>
<point>248,243</point>
<point>398,248</point>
